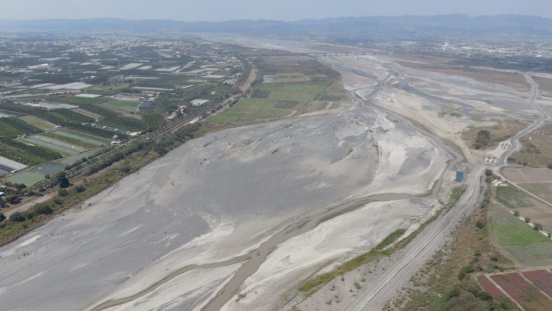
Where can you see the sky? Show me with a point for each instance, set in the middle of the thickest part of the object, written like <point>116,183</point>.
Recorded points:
<point>287,10</point>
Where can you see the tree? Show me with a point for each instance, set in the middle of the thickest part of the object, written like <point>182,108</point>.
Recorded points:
<point>549,165</point>
<point>62,192</point>
<point>61,179</point>
<point>489,172</point>
<point>10,198</point>
<point>480,224</point>
<point>2,217</point>
<point>527,219</point>
<point>47,176</point>
<point>516,213</point>
<point>538,227</point>
<point>80,189</point>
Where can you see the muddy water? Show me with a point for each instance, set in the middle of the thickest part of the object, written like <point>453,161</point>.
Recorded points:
<point>257,257</point>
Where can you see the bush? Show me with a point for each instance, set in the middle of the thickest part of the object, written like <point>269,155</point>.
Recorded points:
<point>42,209</point>
<point>516,213</point>
<point>538,227</point>
<point>549,165</point>
<point>80,189</point>
<point>480,224</point>
<point>2,217</point>
<point>10,198</point>
<point>483,295</point>
<point>465,271</point>
<point>527,219</point>
<point>17,217</point>
<point>494,258</point>
<point>62,192</point>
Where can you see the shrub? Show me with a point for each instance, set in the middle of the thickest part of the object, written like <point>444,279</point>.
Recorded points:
<point>538,227</point>
<point>80,189</point>
<point>465,271</point>
<point>483,295</point>
<point>480,224</point>
<point>527,219</point>
<point>62,192</point>
<point>42,209</point>
<point>516,213</point>
<point>494,258</point>
<point>489,172</point>
<point>10,198</point>
<point>2,217</point>
<point>549,165</point>
<point>17,217</point>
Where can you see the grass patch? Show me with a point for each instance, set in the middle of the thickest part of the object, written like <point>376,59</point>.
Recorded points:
<point>79,100</point>
<point>69,140</point>
<point>124,106</point>
<point>390,239</point>
<point>514,198</point>
<point>34,121</point>
<point>510,230</point>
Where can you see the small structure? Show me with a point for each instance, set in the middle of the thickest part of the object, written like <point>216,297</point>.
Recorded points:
<point>198,102</point>
<point>145,105</point>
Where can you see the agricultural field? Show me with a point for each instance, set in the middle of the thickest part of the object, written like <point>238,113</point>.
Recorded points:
<point>123,106</point>
<point>490,288</point>
<point>542,190</point>
<point>34,121</point>
<point>528,175</point>
<point>272,101</point>
<point>514,198</point>
<point>26,178</point>
<point>79,100</point>
<point>528,246</point>
<point>542,279</point>
<point>523,292</point>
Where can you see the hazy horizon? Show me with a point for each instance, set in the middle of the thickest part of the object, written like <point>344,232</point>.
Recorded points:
<point>285,10</point>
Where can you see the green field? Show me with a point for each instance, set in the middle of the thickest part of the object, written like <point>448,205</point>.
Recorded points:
<point>542,190</point>
<point>514,198</point>
<point>275,101</point>
<point>311,87</point>
<point>519,239</point>
<point>123,106</point>
<point>84,137</point>
<point>41,124</point>
<point>79,100</point>
<point>251,110</point>
<point>27,178</point>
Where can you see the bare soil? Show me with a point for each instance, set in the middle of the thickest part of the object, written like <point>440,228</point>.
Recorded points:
<point>252,76</point>
<point>514,80</point>
<point>500,132</point>
<point>545,85</point>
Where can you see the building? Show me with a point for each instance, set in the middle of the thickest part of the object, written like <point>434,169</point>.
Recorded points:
<point>145,105</point>
<point>198,102</point>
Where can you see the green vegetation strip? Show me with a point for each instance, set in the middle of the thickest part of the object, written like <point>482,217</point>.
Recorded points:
<point>312,285</point>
